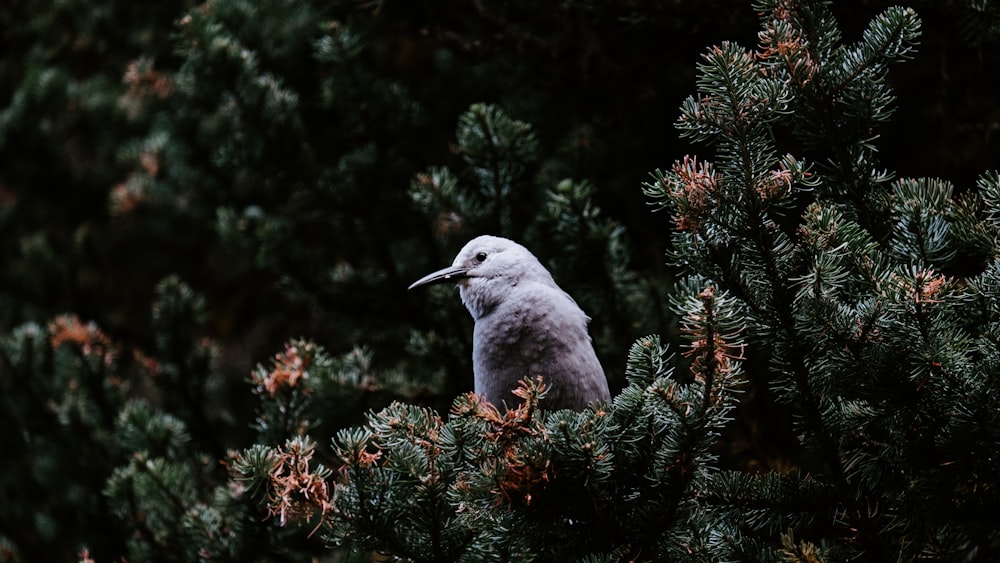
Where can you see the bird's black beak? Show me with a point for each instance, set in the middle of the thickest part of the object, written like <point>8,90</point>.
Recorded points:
<point>449,274</point>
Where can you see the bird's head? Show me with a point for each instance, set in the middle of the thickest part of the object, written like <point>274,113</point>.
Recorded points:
<point>487,270</point>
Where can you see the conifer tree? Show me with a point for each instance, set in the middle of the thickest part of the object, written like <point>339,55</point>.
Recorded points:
<point>843,283</point>
<point>611,482</point>
<point>873,331</point>
<point>184,187</point>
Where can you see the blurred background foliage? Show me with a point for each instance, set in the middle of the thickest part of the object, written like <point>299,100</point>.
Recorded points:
<point>185,186</point>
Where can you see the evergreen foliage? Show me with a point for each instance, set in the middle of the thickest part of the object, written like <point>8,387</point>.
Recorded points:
<point>485,485</point>
<point>187,188</point>
<point>869,333</point>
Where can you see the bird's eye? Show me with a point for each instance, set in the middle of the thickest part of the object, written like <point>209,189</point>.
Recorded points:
<point>481,257</point>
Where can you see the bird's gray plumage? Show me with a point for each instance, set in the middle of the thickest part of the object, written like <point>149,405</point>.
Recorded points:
<point>525,325</point>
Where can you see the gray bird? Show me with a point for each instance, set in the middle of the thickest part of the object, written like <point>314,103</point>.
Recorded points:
<point>525,326</point>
